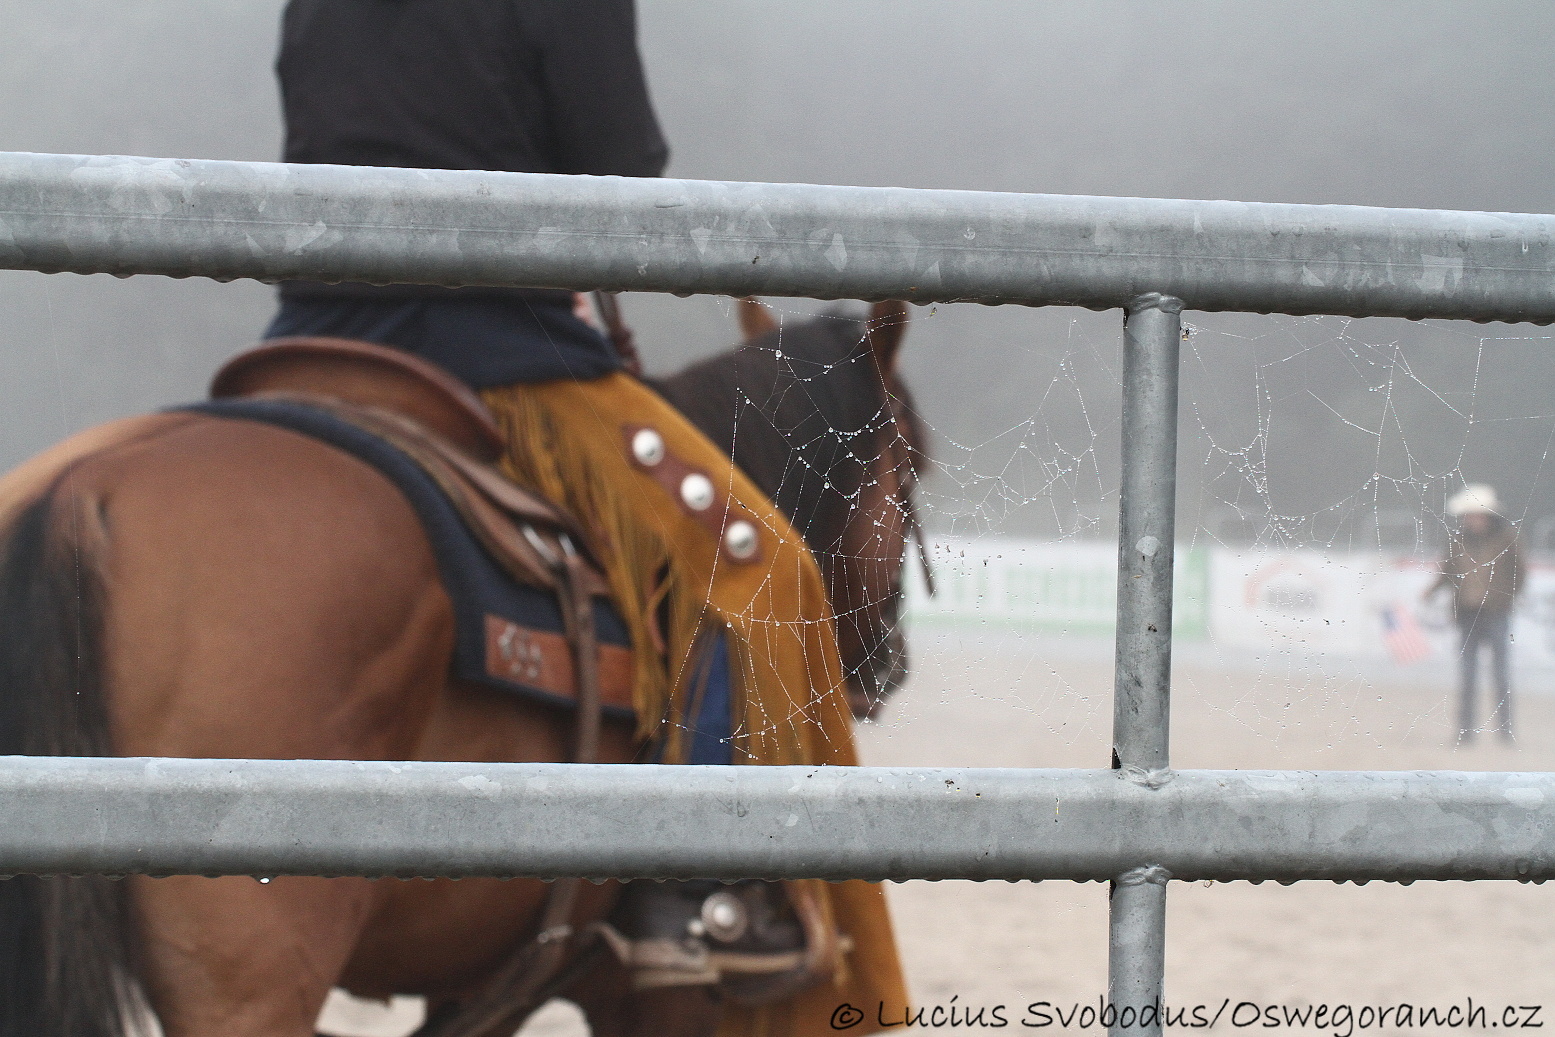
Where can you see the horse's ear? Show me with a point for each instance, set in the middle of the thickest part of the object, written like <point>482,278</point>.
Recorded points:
<point>755,319</point>
<point>885,329</point>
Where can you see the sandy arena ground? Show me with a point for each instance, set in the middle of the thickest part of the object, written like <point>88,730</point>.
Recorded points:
<point>1013,703</point>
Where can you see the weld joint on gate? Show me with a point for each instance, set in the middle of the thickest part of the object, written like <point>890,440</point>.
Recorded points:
<point>1145,875</point>
<point>1153,301</point>
<point>1150,779</point>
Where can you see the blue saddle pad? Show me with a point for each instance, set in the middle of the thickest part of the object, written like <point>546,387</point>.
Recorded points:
<point>476,583</point>
<point>480,589</point>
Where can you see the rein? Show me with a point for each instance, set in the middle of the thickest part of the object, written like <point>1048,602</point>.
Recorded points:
<point>523,983</point>
<point>608,306</point>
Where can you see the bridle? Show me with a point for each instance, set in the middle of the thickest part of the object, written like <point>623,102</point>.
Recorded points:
<point>905,496</point>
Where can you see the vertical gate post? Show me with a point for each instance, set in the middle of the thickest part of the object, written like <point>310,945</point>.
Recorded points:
<point>1152,344</point>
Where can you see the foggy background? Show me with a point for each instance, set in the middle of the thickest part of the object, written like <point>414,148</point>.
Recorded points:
<point>1317,430</point>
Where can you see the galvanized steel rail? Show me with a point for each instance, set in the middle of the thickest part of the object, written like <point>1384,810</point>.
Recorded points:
<point>1142,676</point>
<point>309,817</point>
<point>269,221</point>
<point>1138,825</point>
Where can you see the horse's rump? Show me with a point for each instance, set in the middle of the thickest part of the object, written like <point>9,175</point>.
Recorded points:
<point>189,586</point>
<point>68,948</point>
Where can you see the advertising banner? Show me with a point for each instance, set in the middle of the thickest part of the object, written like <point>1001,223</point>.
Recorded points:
<point>1369,607</point>
<point>1359,605</point>
<point>1063,587</point>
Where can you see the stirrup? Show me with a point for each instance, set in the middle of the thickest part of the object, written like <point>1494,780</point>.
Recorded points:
<point>743,937</point>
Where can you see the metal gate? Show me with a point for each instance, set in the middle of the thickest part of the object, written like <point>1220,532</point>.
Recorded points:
<point>1136,824</point>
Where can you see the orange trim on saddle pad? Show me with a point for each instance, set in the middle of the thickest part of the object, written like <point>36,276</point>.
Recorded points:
<point>543,660</point>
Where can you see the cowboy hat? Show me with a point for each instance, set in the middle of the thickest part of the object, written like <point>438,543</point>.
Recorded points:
<point>1475,498</point>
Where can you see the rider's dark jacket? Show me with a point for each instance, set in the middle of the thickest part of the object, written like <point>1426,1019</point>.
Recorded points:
<point>535,86</point>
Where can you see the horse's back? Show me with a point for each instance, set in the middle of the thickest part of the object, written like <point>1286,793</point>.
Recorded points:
<point>33,478</point>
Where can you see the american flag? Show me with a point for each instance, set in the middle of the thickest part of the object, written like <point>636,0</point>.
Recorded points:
<point>1405,640</point>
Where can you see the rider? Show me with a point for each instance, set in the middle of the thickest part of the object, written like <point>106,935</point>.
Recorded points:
<point>557,86</point>
<point>465,84</point>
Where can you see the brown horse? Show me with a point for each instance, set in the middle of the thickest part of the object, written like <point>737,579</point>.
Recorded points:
<point>181,585</point>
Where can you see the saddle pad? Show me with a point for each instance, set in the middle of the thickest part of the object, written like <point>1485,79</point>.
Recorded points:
<point>509,636</point>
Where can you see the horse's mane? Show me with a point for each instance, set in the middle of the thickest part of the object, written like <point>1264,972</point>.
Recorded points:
<point>801,409</point>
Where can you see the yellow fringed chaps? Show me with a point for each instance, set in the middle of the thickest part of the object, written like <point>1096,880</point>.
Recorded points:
<point>567,440</point>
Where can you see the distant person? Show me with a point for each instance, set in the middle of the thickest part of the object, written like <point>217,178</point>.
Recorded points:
<point>1484,568</point>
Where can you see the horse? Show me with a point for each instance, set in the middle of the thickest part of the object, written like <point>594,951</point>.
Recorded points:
<point>185,586</point>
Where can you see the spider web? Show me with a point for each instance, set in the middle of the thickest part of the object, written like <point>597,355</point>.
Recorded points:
<point>1322,448</point>
<point>1316,458</point>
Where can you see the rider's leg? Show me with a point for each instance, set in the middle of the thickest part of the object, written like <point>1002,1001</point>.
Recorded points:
<point>1499,634</point>
<point>1468,675</point>
<point>679,553</point>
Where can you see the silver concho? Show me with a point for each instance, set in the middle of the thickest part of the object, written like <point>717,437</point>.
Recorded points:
<point>647,447</point>
<point>696,490</point>
<point>724,917</point>
<point>741,541</point>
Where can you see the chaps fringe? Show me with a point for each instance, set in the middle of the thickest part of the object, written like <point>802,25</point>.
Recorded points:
<point>567,441</point>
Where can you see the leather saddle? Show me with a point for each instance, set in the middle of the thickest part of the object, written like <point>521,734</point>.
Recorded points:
<point>445,429</point>
<point>749,939</point>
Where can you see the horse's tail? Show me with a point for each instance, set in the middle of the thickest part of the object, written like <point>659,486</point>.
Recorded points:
<point>67,944</point>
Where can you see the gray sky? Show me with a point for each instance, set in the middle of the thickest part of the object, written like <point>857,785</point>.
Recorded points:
<point>1428,104</point>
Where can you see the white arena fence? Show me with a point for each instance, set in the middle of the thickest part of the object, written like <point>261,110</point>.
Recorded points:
<point>1331,606</point>
<point>1137,824</point>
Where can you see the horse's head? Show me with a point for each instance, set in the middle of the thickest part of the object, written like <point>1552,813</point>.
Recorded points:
<point>878,514</point>
<point>816,414</point>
